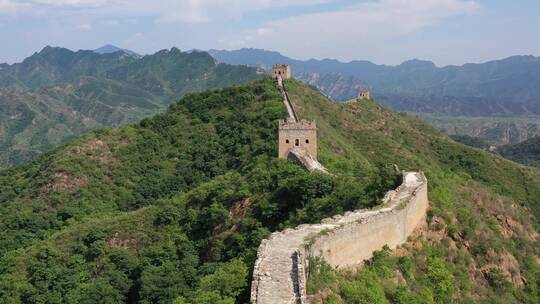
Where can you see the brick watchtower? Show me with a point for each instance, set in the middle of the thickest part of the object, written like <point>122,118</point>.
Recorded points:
<point>297,134</point>
<point>364,94</point>
<point>281,70</point>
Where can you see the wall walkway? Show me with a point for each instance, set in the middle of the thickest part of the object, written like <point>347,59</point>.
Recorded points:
<point>279,275</point>
<point>290,109</point>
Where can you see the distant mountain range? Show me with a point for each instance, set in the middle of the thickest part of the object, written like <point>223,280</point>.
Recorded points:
<point>108,49</point>
<point>57,94</point>
<point>508,87</point>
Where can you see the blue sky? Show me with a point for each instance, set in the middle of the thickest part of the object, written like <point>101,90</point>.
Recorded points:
<point>382,31</point>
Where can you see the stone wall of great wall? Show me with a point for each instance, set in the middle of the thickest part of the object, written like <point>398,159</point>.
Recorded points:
<point>280,273</point>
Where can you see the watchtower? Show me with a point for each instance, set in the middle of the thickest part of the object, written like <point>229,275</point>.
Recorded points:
<point>281,70</point>
<point>301,134</point>
<point>364,94</point>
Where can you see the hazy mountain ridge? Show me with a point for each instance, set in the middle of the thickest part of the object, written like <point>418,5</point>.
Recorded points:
<point>57,94</point>
<point>496,131</point>
<point>504,87</point>
<point>108,48</point>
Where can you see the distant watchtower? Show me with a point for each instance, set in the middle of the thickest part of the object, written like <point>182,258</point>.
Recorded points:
<point>297,134</point>
<point>281,70</point>
<point>364,94</point>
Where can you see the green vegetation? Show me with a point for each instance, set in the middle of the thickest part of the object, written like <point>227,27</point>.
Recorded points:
<point>56,95</point>
<point>172,209</point>
<point>527,152</point>
<point>481,244</point>
<point>488,130</point>
<point>470,141</point>
<point>503,88</point>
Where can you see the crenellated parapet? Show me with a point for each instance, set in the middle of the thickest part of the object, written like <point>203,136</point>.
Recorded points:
<point>302,125</point>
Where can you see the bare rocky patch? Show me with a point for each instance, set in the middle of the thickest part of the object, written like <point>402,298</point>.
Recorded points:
<point>117,241</point>
<point>64,182</point>
<point>238,212</point>
<point>99,150</point>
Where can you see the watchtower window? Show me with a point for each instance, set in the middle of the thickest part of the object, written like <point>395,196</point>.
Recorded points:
<point>287,141</point>
<point>296,142</point>
<point>307,141</point>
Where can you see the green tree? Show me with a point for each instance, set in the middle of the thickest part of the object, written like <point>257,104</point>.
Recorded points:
<point>440,279</point>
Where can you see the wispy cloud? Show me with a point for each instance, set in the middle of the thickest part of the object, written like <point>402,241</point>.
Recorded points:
<point>84,27</point>
<point>346,32</point>
<point>10,7</point>
<point>386,31</point>
<point>185,11</point>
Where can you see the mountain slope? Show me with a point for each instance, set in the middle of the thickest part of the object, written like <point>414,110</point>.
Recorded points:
<point>527,152</point>
<point>496,131</point>
<point>56,94</point>
<point>174,208</point>
<point>502,87</point>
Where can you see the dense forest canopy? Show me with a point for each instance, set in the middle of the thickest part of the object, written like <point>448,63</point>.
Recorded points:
<point>172,209</point>
<point>527,152</point>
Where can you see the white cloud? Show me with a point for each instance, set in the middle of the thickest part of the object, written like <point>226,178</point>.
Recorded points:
<point>367,30</point>
<point>71,3</point>
<point>165,11</point>
<point>85,27</point>
<point>357,28</point>
<point>135,39</point>
<point>9,7</point>
<point>112,22</point>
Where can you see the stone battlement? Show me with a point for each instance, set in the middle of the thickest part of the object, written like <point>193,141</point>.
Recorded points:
<point>280,272</point>
<point>302,125</point>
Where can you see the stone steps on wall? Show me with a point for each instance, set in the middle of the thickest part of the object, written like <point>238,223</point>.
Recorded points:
<point>307,160</point>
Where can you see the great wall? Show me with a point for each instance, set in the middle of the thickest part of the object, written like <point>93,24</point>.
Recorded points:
<point>281,271</point>
<point>297,139</point>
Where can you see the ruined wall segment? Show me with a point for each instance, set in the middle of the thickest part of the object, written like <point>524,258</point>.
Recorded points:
<point>279,275</point>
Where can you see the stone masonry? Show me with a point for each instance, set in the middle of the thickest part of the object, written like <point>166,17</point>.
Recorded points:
<point>297,139</point>
<point>280,274</point>
<point>281,70</point>
<point>364,94</point>
<point>297,134</point>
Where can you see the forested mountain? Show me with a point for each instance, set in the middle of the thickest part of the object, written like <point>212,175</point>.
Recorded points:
<point>507,87</point>
<point>57,94</point>
<point>527,152</point>
<point>496,131</point>
<point>172,209</point>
